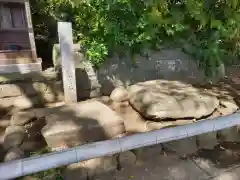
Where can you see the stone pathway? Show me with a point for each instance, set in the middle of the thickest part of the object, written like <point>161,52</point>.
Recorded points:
<point>171,167</point>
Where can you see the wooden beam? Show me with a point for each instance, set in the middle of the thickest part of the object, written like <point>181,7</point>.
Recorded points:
<point>68,64</point>
<point>30,29</point>
<point>21,68</point>
<point>14,29</point>
<point>12,1</point>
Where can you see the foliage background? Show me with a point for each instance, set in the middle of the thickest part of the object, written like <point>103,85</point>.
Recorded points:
<point>208,30</point>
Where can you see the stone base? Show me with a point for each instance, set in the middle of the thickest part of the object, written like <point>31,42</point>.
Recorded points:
<point>76,124</point>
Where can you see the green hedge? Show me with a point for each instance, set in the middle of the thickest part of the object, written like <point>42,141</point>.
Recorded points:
<point>209,30</point>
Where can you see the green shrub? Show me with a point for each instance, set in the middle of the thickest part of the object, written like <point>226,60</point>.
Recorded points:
<point>210,28</point>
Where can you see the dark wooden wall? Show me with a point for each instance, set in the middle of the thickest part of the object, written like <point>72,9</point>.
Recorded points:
<point>13,26</point>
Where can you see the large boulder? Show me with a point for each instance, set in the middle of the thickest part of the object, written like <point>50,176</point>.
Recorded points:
<point>162,99</point>
<point>75,124</point>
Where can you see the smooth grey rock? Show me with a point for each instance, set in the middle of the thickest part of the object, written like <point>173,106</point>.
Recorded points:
<point>75,124</point>
<point>119,94</point>
<point>13,137</point>
<point>14,154</point>
<point>161,99</point>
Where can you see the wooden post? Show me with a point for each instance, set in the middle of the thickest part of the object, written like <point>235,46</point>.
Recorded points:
<point>30,30</point>
<point>67,61</point>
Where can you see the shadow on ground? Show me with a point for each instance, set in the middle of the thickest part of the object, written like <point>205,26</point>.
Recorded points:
<point>224,156</point>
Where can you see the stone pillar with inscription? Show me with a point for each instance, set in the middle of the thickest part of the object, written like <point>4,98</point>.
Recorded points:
<point>67,61</point>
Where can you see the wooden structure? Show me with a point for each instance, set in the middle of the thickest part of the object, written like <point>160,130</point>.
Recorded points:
<point>17,44</point>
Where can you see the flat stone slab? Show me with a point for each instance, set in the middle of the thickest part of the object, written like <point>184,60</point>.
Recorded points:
<point>162,99</point>
<point>182,147</point>
<point>135,123</point>
<point>233,174</point>
<point>218,161</point>
<point>230,134</point>
<point>161,168</point>
<point>75,124</point>
<point>90,168</point>
<point>207,140</point>
<point>227,176</point>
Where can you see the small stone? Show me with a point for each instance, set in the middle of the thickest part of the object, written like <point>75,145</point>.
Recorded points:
<point>14,154</point>
<point>100,165</point>
<point>119,94</point>
<point>14,136</point>
<point>21,118</point>
<point>183,147</point>
<point>207,141</point>
<point>126,159</point>
<point>75,171</point>
<point>119,107</point>
<point>148,153</point>
<point>105,100</point>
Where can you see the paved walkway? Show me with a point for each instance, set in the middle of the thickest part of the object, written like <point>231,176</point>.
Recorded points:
<point>218,164</point>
